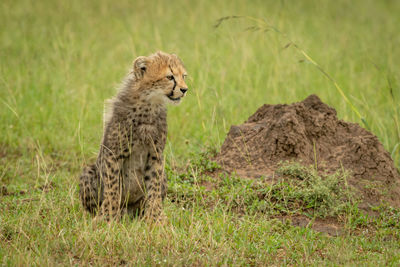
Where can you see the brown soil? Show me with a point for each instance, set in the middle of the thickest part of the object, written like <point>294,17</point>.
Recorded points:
<point>326,225</point>
<point>310,132</point>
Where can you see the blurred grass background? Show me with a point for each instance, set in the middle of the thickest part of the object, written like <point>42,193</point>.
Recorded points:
<point>59,61</point>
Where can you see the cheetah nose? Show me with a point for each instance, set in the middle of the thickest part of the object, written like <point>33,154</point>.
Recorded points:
<point>183,90</point>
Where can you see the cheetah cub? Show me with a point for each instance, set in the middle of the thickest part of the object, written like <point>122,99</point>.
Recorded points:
<point>128,176</point>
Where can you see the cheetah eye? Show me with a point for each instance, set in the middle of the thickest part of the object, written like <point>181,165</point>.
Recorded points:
<point>170,77</point>
<point>184,76</point>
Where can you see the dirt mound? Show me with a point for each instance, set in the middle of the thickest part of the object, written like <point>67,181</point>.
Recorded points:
<point>310,132</point>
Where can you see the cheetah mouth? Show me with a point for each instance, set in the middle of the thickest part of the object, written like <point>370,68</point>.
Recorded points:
<point>174,99</point>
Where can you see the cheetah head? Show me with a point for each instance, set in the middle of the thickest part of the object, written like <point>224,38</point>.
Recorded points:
<point>161,77</point>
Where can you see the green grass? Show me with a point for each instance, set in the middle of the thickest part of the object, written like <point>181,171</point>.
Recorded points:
<point>59,61</point>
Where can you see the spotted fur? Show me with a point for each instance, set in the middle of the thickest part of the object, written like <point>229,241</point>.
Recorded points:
<point>128,175</point>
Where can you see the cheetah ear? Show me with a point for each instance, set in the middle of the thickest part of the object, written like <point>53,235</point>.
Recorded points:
<point>140,66</point>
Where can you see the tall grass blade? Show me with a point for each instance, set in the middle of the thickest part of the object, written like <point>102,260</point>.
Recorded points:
<point>266,26</point>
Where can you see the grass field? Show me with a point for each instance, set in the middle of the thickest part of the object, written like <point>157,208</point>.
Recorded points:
<point>59,61</point>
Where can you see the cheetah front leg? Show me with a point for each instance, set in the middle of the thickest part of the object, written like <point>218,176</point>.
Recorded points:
<point>155,183</point>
